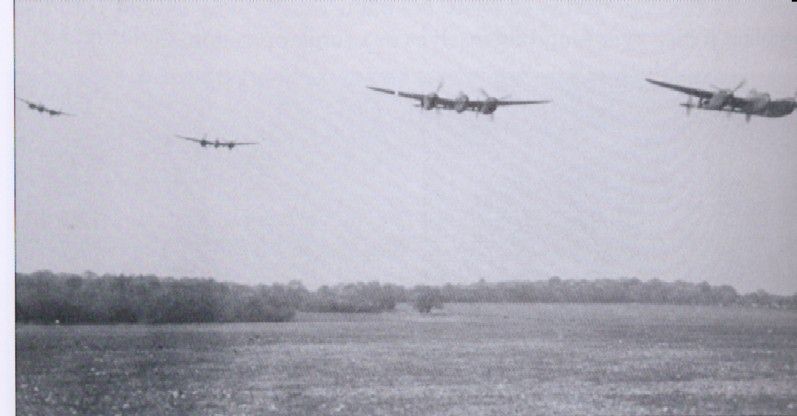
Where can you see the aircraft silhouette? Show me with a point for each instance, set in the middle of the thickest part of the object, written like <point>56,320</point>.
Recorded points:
<point>204,142</point>
<point>723,99</point>
<point>460,104</point>
<point>42,109</point>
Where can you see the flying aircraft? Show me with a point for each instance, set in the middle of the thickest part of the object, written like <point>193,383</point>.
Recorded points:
<point>460,104</point>
<point>42,109</point>
<point>204,141</point>
<point>723,99</point>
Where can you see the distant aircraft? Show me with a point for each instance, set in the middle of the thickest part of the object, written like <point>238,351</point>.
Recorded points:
<point>42,109</point>
<point>756,103</point>
<point>433,101</point>
<point>204,141</point>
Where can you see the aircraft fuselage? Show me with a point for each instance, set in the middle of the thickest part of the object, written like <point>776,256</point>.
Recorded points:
<point>759,106</point>
<point>778,108</point>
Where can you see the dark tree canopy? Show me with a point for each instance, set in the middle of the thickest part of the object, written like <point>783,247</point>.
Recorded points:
<point>427,298</point>
<point>47,297</point>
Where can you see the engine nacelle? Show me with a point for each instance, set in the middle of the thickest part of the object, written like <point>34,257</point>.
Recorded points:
<point>429,101</point>
<point>760,103</point>
<point>490,104</point>
<point>461,103</point>
<point>719,100</point>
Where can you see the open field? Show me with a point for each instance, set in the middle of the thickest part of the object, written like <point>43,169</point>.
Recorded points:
<point>465,360</point>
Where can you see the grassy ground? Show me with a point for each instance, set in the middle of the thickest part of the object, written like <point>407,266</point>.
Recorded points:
<point>466,360</point>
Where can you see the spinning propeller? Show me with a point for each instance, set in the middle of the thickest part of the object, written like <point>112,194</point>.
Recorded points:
<point>729,91</point>
<point>433,95</point>
<point>689,104</point>
<point>488,97</point>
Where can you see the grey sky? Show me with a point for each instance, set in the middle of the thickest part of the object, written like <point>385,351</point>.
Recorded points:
<point>609,180</point>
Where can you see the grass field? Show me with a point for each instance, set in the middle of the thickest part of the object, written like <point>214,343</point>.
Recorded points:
<point>481,359</point>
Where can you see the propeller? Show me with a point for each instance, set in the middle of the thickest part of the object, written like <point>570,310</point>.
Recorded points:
<point>730,91</point>
<point>487,96</point>
<point>738,87</point>
<point>689,105</point>
<point>432,96</point>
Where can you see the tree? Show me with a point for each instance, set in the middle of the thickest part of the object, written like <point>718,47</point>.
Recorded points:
<point>428,298</point>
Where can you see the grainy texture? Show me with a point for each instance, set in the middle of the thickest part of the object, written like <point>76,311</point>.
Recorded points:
<point>467,359</point>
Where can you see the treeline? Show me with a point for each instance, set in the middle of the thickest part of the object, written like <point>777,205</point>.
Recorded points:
<point>46,297</point>
<point>68,298</point>
<point>624,290</point>
<point>354,297</point>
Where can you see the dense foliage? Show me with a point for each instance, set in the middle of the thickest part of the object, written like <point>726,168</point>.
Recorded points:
<point>556,290</point>
<point>70,298</point>
<point>593,291</point>
<point>356,297</point>
<point>47,297</point>
<point>427,298</point>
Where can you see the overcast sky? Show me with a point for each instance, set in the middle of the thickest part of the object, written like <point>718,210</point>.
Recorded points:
<point>611,179</point>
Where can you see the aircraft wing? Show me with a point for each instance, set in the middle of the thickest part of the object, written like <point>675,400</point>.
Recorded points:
<point>399,93</point>
<point>193,139</point>
<point>445,103</point>
<point>500,102</point>
<point>734,100</point>
<point>477,105</point>
<point>60,113</point>
<point>735,110</point>
<point>26,101</point>
<point>695,92</point>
